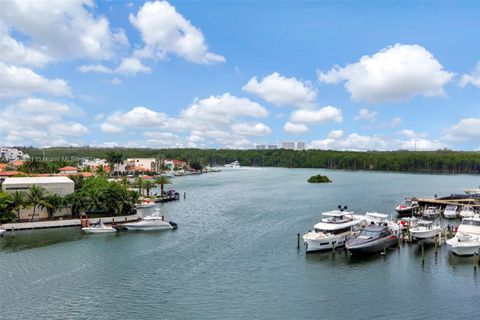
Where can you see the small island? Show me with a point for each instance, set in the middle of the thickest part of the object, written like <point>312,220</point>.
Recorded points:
<point>319,179</point>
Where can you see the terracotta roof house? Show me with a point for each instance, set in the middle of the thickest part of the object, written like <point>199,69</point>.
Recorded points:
<point>68,170</point>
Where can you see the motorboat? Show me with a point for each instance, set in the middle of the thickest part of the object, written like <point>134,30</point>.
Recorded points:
<point>379,219</point>
<point>467,212</point>
<point>450,211</point>
<point>99,227</point>
<point>472,191</point>
<point>152,222</point>
<point>372,239</point>
<point>407,223</point>
<point>2,231</point>
<point>431,213</point>
<point>408,206</point>
<point>467,239</point>
<point>234,164</point>
<point>331,232</point>
<point>146,203</point>
<point>425,230</point>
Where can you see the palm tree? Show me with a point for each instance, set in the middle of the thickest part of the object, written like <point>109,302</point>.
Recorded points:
<point>148,185</point>
<point>18,202</point>
<point>53,204</point>
<point>37,196</point>
<point>124,181</point>
<point>162,180</point>
<point>114,159</point>
<point>139,183</point>
<point>100,171</point>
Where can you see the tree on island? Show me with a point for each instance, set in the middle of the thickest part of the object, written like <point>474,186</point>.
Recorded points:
<point>319,179</point>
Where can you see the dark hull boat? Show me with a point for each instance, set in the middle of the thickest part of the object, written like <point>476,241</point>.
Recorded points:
<point>372,239</point>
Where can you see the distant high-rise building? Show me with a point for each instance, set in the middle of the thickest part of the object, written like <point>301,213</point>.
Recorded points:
<point>260,147</point>
<point>289,145</point>
<point>300,145</point>
<point>272,147</point>
<point>293,145</point>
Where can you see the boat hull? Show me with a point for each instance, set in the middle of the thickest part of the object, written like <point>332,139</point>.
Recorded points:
<point>148,226</point>
<point>373,246</point>
<point>450,215</point>
<point>464,248</point>
<point>424,234</point>
<point>318,245</point>
<point>92,230</point>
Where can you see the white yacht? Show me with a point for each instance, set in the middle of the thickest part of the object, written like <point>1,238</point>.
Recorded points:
<point>472,191</point>
<point>450,211</point>
<point>376,218</point>
<point>234,164</point>
<point>99,228</point>
<point>2,231</point>
<point>153,222</point>
<point>467,240</point>
<point>146,203</point>
<point>467,212</point>
<point>425,230</point>
<point>335,228</point>
<point>431,213</point>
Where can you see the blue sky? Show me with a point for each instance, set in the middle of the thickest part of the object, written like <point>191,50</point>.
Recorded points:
<point>337,75</point>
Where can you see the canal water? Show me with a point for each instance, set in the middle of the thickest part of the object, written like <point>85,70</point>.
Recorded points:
<point>234,256</point>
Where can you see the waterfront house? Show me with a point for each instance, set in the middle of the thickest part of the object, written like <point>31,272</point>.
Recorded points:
<point>68,170</point>
<point>174,164</point>
<point>53,185</point>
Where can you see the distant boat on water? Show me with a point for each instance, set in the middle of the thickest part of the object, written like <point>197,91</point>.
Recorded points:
<point>234,164</point>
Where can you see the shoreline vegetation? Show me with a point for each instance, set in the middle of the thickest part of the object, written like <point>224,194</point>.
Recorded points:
<point>319,179</point>
<point>440,161</point>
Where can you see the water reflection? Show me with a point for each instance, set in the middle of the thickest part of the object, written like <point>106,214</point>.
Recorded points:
<point>28,239</point>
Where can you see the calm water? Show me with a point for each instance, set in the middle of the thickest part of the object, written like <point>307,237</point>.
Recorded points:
<point>234,256</point>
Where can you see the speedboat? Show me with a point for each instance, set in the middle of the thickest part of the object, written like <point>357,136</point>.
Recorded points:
<point>467,212</point>
<point>407,223</point>
<point>99,228</point>
<point>450,212</point>
<point>408,206</point>
<point>146,204</point>
<point>372,239</point>
<point>153,222</point>
<point>234,164</point>
<point>472,191</point>
<point>425,230</point>
<point>467,239</point>
<point>331,232</point>
<point>2,231</point>
<point>431,213</point>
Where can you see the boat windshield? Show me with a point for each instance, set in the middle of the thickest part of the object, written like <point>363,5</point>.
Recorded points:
<point>370,233</point>
<point>451,208</point>
<point>467,209</point>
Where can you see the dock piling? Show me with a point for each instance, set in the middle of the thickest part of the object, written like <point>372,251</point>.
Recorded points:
<point>298,241</point>
<point>423,251</point>
<point>184,195</point>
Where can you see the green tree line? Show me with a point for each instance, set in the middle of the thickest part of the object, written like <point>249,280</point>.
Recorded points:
<point>441,161</point>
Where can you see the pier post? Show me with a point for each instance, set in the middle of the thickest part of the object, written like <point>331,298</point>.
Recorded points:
<point>475,258</point>
<point>298,241</point>
<point>184,195</point>
<point>423,251</point>
<point>436,245</point>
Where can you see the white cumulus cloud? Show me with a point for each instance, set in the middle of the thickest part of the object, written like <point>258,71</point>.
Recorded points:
<point>246,129</point>
<point>20,81</point>
<point>322,115</point>
<point>463,130</point>
<point>335,134</point>
<point>131,66</point>
<point>165,31</point>
<point>295,127</point>
<point>473,78</point>
<point>282,91</point>
<point>365,114</point>
<point>395,73</point>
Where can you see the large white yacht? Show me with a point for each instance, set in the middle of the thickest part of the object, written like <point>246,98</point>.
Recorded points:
<point>148,223</point>
<point>467,240</point>
<point>467,212</point>
<point>335,228</point>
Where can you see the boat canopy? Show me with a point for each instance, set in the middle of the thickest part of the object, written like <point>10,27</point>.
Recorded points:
<point>337,213</point>
<point>376,215</point>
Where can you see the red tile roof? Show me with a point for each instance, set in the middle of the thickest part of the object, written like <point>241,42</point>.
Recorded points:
<point>68,168</point>
<point>9,173</point>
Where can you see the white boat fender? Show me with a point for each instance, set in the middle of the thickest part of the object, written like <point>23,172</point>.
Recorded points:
<point>173,224</point>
